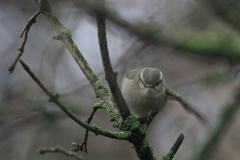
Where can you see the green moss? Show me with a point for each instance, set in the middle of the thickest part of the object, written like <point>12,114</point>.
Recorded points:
<point>132,124</point>
<point>100,87</point>
<point>103,105</point>
<point>100,104</point>
<point>165,158</point>
<point>123,135</point>
<point>169,156</point>
<point>111,115</point>
<point>143,129</point>
<point>54,19</point>
<point>146,145</point>
<point>97,128</point>
<point>67,31</point>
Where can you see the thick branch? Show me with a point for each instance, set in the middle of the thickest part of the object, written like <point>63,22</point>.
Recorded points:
<point>21,48</point>
<point>110,75</point>
<point>54,99</point>
<point>185,104</point>
<point>174,148</point>
<point>64,34</point>
<point>61,150</point>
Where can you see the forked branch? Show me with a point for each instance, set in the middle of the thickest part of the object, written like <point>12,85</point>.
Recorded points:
<point>61,150</point>
<point>54,99</point>
<point>21,48</point>
<point>110,75</point>
<point>64,34</point>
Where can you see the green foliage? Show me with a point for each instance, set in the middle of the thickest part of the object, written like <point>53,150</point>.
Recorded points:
<point>216,76</point>
<point>212,46</point>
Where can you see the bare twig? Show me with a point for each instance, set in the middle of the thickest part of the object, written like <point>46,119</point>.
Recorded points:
<point>174,148</point>
<point>186,105</point>
<point>151,116</point>
<point>83,145</point>
<point>224,122</point>
<point>54,99</point>
<point>61,150</point>
<point>21,48</point>
<point>110,75</point>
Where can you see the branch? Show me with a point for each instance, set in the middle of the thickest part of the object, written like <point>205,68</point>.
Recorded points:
<point>61,150</point>
<point>83,145</point>
<point>186,105</point>
<point>54,99</point>
<point>110,75</point>
<point>225,120</point>
<point>174,148</point>
<point>151,116</point>
<point>152,35</point>
<point>64,34</point>
<point>21,48</point>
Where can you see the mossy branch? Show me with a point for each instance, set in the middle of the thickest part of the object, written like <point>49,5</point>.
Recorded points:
<point>54,98</point>
<point>174,148</point>
<point>65,35</point>
<point>110,75</point>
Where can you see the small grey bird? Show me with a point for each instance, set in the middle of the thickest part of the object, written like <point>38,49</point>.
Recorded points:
<point>144,88</point>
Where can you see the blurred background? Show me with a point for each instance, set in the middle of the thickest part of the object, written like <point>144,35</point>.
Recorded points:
<point>197,49</point>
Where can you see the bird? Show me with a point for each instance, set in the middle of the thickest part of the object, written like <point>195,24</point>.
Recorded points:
<point>143,88</point>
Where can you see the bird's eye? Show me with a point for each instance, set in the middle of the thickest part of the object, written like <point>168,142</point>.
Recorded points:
<point>157,83</point>
<point>142,83</point>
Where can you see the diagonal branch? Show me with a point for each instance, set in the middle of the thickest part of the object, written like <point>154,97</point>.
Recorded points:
<point>61,150</point>
<point>151,116</point>
<point>185,104</point>
<point>110,75</point>
<point>21,48</point>
<point>64,34</point>
<point>54,99</point>
<point>174,148</point>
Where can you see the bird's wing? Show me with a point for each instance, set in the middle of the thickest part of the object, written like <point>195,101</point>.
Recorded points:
<point>132,73</point>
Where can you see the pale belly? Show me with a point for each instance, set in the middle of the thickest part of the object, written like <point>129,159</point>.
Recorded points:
<point>143,104</point>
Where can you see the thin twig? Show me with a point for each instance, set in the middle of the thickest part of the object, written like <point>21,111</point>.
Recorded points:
<point>110,75</point>
<point>151,116</point>
<point>174,148</point>
<point>224,122</point>
<point>21,48</point>
<point>54,99</point>
<point>61,150</point>
<point>186,105</point>
<point>83,145</point>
